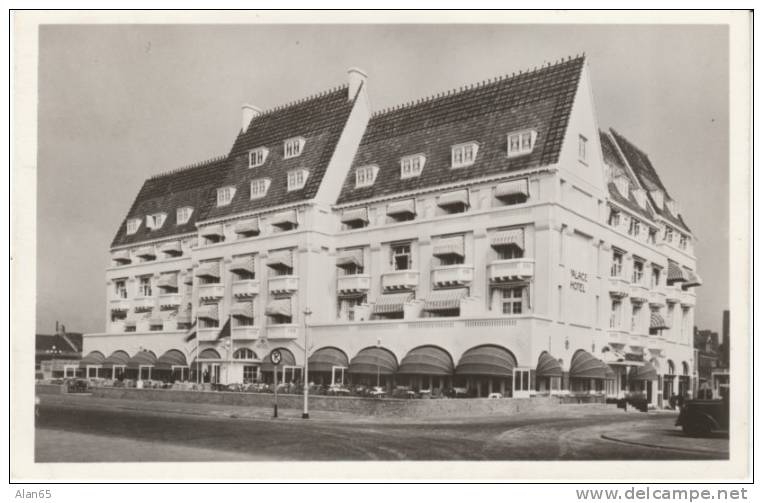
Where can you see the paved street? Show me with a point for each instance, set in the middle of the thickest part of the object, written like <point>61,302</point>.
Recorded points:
<point>85,429</point>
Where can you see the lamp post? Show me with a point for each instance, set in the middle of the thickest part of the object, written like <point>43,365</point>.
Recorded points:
<point>378,345</point>
<point>305,386</point>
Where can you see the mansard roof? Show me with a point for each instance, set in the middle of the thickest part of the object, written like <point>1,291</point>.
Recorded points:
<point>484,113</point>
<point>614,161</point>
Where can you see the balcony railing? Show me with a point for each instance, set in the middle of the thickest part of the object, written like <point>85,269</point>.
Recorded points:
<point>639,292</point>
<point>353,283</point>
<point>688,299</point>
<point>511,269</point>
<point>119,304</point>
<point>282,332</point>
<point>246,288</point>
<point>400,280</point>
<point>143,303</point>
<point>212,291</point>
<point>672,293</point>
<point>450,275</point>
<point>657,297</point>
<point>618,286</point>
<point>169,299</point>
<point>208,334</point>
<point>283,284</point>
<point>617,335</point>
<point>249,332</point>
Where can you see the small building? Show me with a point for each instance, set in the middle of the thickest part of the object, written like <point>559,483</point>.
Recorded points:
<point>57,355</point>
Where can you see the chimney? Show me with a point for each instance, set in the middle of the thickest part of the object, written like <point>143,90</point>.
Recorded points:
<point>355,77</point>
<point>248,112</point>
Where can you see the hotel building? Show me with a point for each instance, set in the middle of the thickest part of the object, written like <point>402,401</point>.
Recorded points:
<point>491,237</point>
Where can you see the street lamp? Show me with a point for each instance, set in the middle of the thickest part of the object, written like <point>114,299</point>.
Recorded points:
<point>305,386</point>
<point>378,345</point>
<point>54,352</point>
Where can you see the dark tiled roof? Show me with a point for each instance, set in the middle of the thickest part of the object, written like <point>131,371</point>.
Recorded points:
<point>319,120</point>
<point>45,342</point>
<point>195,186</point>
<point>612,158</point>
<point>541,99</point>
<point>647,176</point>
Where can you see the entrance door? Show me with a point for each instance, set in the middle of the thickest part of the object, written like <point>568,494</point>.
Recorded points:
<point>214,373</point>
<point>521,383</point>
<point>649,391</point>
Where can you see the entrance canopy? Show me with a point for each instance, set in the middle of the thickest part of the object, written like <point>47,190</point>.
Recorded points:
<point>92,358</point>
<point>325,359</point>
<point>142,359</point>
<point>373,360</point>
<point>487,361</point>
<point>118,357</point>
<point>171,358</point>
<point>586,366</point>
<point>427,360</point>
<point>548,366</point>
<point>645,372</point>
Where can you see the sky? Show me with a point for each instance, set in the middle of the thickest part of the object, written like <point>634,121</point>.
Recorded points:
<point>120,103</point>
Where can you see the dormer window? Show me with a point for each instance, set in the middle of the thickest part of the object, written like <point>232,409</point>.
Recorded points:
<point>412,165</point>
<point>668,236</point>
<point>365,176</point>
<point>184,215</point>
<point>296,179</point>
<point>635,227</point>
<point>293,147</point>
<point>132,225</point>
<point>257,157</point>
<point>623,185</point>
<point>521,142</point>
<point>259,188</point>
<point>225,195</point>
<point>463,155</point>
<point>155,221</point>
<point>683,241</point>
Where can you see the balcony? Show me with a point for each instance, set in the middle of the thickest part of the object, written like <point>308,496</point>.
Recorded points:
<point>212,291</point>
<point>353,283</point>
<point>169,299</point>
<point>688,299</point>
<point>209,334</point>
<point>619,287</point>
<point>452,275</point>
<point>657,297</point>
<point>246,288</point>
<point>119,304</point>
<point>250,332</point>
<point>282,332</point>
<point>400,280</point>
<point>283,284</point>
<point>672,293</point>
<point>639,292</point>
<point>618,335</point>
<point>511,269</point>
<point>143,303</point>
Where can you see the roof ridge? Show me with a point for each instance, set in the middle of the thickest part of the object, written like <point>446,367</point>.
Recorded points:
<point>299,101</point>
<point>187,167</point>
<point>475,85</point>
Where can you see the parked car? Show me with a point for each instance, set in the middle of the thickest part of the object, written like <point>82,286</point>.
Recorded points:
<point>703,417</point>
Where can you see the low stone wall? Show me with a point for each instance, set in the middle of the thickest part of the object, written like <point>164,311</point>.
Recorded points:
<point>354,405</point>
<point>49,389</point>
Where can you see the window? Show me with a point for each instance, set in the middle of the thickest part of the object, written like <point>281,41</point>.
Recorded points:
<point>257,157</point>
<point>144,286</point>
<point>155,326</point>
<point>614,218</point>
<point>521,143</point>
<point>346,307</point>
<point>244,354</point>
<point>259,188</point>
<point>225,195</point>
<point>132,225</point>
<point>582,144</point>
<point>293,147</point>
<point>634,228</point>
<point>617,264</point>
<point>521,380</point>
<point>511,300</point>
<point>509,252</point>
<point>656,273</point>
<point>250,374</point>
<point>668,236</point>
<point>155,221</point>
<point>401,257</point>
<point>652,238</point>
<point>463,155</point>
<point>683,241</point>
<point>296,179</point>
<point>614,317</point>
<point>635,315</point>
<point>365,176</point>
<point>184,215</point>
<point>412,165</point>
<point>638,272</point>
<point>120,289</point>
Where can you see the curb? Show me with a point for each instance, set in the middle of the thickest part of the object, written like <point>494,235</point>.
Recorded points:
<point>664,447</point>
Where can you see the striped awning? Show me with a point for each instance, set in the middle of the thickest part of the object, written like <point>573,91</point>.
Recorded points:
<point>168,280</point>
<point>242,310</point>
<point>212,231</point>
<point>548,366</point>
<point>279,307</point>
<point>348,258</point>
<point>454,198</point>
<point>146,251</point>
<point>121,256</point>
<point>355,215</point>
<point>407,206</point>
<point>208,269</point>
<point>444,247</point>
<point>512,188</point>
<point>92,358</point>
<point>243,264</point>
<point>586,366</point>
<point>324,359</point>
<point>287,359</point>
<point>143,358</point>
<point>284,217</point>
<point>171,358</point>
<point>426,360</point>
<point>645,372</point>
<point>391,302</point>
<point>172,247</point>
<point>208,312</point>
<point>118,357</point>
<point>675,273</point>
<point>488,360</point>
<point>440,300</point>
<point>374,361</point>
<point>279,259</point>
<point>692,278</point>
<point>508,237</point>
<point>656,321</point>
<point>247,227</point>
